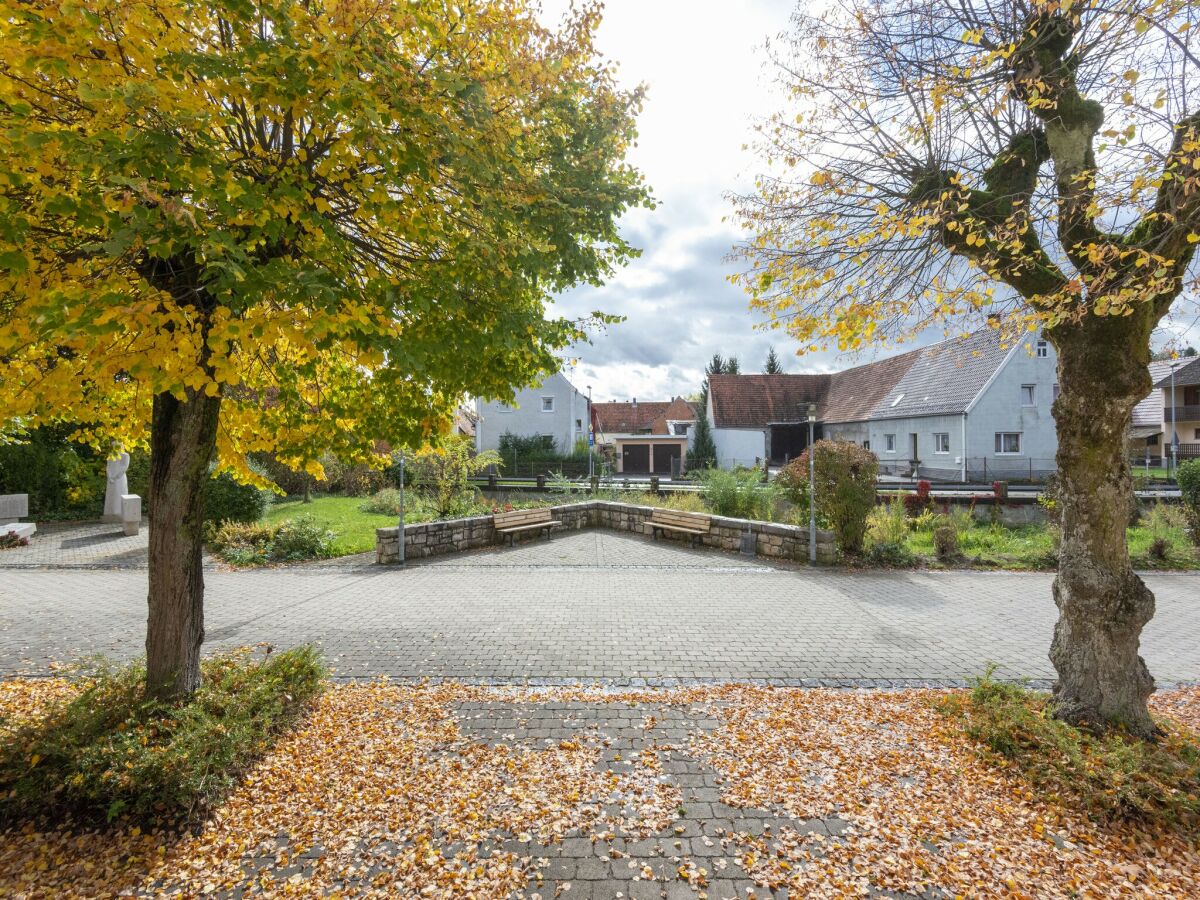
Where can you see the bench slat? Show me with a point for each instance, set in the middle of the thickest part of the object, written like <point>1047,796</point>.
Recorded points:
<point>549,523</point>
<point>521,516</point>
<point>665,527</point>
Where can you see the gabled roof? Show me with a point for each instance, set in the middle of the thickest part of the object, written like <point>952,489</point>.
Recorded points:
<point>1150,411</point>
<point>855,393</point>
<point>755,401</point>
<point>1185,376</point>
<point>946,377</point>
<point>937,380</point>
<point>635,417</point>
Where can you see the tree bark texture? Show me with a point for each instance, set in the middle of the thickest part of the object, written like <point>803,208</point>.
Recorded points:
<point>1103,605</point>
<point>182,441</point>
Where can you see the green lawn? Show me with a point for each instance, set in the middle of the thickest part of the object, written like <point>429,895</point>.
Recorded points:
<point>355,529</point>
<point>1031,547</point>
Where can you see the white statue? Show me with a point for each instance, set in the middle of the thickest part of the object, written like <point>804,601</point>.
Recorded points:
<point>118,484</point>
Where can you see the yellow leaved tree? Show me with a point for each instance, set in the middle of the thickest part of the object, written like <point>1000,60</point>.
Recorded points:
<point>1036,160</point>
<point>230,226</point>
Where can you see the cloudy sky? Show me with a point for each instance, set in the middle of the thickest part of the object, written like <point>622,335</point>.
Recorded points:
<point>702,63</point>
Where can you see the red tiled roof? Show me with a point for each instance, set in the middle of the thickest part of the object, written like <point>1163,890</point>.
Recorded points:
<point>755,401</point>
<point>642,417</point>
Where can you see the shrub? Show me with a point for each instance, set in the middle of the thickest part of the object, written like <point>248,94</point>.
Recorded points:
<point>302,538</point>
<point>887,523</point>
<point>792,482</point>
<point>383,503</point>
<point>444,471</point>
<point>64,480</point>
<point>1188,478</point>
<point>10,540</point>
<point>111,752</point>
<point>228,500</point>
<point>738,493</point>
<point>1109,776</point>
<point>920,502</point>
<point>891,554</point>
<point>252,544</point>
<point>845,489</point>
<point>945,540</point>
<point>1158,549</point>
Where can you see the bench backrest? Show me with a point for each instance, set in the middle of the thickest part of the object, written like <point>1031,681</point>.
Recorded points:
<point>521,517</point>
<point>681,519</point>
<point>13,506</point>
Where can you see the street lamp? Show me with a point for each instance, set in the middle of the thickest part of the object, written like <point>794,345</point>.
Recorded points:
<point>812,486</point>
<point>1174,430</point>
<point>400,561</point>
<point>591,437</point>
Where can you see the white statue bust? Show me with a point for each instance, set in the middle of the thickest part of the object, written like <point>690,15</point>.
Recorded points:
<point>118,484</point>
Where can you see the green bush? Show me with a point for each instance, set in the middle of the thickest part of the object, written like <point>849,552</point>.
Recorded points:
<point>887,523</point>
<point>228,500</point>
<point>384,503</point>
<point>443,472</point>
<point>64,480</point>
<point>302,538</point>
<point>738,493</point>
<point>845,489</point>
<point>111,752</point>
<point>891,554</point>
<point>1188,477</point>
<point>256,543</point>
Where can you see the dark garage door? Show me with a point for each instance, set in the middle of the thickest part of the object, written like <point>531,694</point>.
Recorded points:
<point>663,456</point>
<point>635,458</point>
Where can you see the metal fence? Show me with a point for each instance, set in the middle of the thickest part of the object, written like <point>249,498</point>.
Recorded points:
<point>985,470</point>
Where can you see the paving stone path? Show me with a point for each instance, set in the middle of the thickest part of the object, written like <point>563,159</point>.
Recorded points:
<point>596,605</point>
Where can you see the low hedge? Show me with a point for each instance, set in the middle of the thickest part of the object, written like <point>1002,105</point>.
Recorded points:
<point>110,752</point>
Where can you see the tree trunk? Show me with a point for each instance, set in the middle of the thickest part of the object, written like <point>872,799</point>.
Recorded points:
<point>182,441</point>
<point>1102,603</point>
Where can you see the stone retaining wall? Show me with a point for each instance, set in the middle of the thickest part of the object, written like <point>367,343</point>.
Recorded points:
<point>434,538</point>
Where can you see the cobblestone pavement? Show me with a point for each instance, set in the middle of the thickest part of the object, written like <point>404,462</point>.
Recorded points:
<point>597,606</point>
<point>703,831</point>
<point>83,544</point>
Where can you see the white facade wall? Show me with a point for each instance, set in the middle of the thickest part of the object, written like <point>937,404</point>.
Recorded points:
<point>739,446</point>
<point>934,464</point>
<point>1001,407</point>
<point>566,423</point>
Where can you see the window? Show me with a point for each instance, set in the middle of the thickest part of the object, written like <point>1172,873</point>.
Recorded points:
<point>941,442</point>
<point>1195,434</point>
<point>579,424</point>
<point>680,427</point>
<point>547,404</point>
<point>1008,442</point>
<point>866,445</point>
<point>1029,395</point>
<point>889,443</point>
<point>1054,391</point>
<point>1042,350</point>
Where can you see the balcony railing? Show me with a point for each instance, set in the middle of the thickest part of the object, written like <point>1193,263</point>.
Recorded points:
<point>1182,414</point>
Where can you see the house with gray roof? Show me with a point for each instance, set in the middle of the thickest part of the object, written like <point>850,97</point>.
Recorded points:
<point>970,408</point>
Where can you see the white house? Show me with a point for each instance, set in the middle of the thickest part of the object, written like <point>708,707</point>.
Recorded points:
<point>555,409</point>
<point>966,409</point>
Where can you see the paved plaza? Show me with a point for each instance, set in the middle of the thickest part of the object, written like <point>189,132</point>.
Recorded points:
<point>590,606</point>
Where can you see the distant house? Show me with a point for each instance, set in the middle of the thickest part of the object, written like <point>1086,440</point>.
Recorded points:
<point>965,408</point>
<point>554,409</point>
<point>1180,407</point>
<point>1146,430</point>
<point>648,437</point>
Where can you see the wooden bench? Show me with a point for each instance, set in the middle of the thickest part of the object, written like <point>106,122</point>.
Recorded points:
<point>694,525</point>
<point>521,520</point>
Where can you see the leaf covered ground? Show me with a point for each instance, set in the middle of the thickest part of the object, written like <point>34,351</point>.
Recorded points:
<point>452,791</point>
